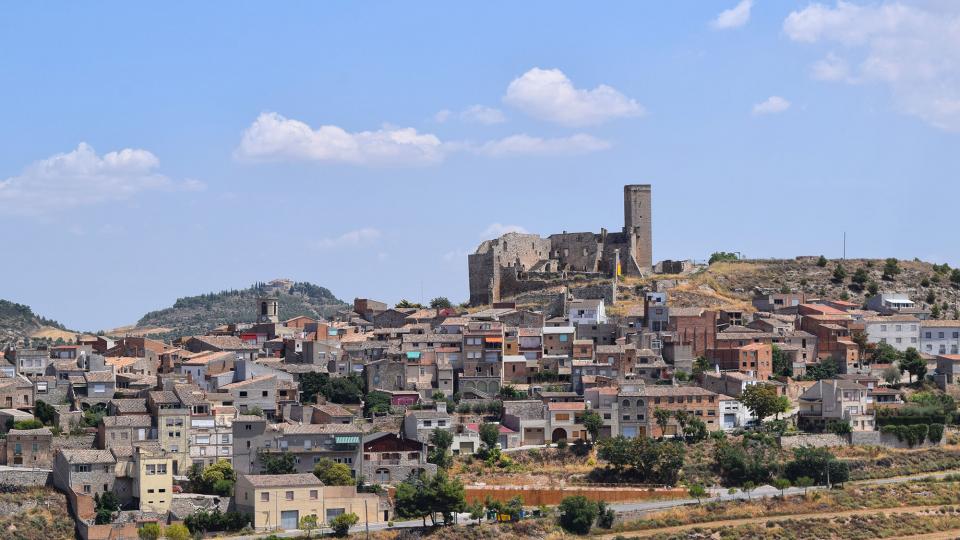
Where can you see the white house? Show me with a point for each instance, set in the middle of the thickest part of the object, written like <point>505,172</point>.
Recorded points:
<point>733,414</point>
<point>586,312</point>
<point>889,302</point>
<point>899,331</point>
<point>940,337</point>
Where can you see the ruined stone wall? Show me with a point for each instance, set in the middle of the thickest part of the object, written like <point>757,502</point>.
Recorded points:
<point>577,251</point>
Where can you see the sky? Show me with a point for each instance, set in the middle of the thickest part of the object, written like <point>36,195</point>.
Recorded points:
<point>153,151</point>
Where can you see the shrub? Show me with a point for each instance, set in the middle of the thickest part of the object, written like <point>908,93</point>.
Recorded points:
<point>577,514</point>
<point>342,523</point>
<point>935,433</point>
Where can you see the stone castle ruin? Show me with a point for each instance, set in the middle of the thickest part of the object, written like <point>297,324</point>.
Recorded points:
<point>517,263</point>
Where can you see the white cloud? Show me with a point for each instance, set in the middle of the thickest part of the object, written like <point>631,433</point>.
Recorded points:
<point>483,115</point>
<point>82,178</point>
<point>354,238</point>
<point>831,68</point>
<point>771,105</point>
<point>549,95</point>
<point>525,145</point>
<point>912,49</point>
<point>496,230</point>
<point>274,137</point>
<point>734,17</point>
<point>442,116</point>
<point>476,114</point>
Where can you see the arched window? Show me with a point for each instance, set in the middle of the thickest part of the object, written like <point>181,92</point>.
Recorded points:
<point>626,403</point>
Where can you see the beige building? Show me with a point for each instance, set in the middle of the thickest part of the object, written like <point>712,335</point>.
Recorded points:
<point>279,501</point>
<point>153,482</point>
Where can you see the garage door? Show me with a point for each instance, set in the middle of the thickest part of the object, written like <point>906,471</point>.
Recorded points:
<point>289,519</point>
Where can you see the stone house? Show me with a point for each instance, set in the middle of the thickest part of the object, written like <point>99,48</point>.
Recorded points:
<point>172,418</point>
<point>948,370</point>
<point>754,359</point>
<point>526,417</point>
<point>641,403</point>
<point>29,448</point>
<point>92,388</point>
<point>419,424</point>
<point>694,326</point>
<point>241,349</point>
<point>388,458</point>
<point>84,470</point>
<point>260,392</point>
<point>558,340</point>
<point>114,431</point>
<point>16,393</point>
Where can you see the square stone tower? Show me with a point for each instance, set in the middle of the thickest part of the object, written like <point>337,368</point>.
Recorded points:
<point>637,223</point>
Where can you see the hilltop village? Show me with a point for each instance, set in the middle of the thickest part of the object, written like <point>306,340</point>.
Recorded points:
<point>385,415</point>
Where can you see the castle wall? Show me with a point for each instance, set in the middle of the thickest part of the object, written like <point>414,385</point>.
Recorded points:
<point>576,251</point>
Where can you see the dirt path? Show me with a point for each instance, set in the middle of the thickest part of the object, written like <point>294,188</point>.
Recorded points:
<point>944,535</point>
<point>752,521</point>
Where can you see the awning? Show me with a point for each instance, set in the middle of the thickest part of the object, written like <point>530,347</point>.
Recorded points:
<point>413,355</point>
<point>493,339</point>
<point>347,439</point>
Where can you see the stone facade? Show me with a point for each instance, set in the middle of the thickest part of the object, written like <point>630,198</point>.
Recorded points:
<point>516,262</point>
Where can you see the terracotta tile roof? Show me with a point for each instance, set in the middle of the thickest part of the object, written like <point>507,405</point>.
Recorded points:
<point>567,406</point>
<point>130,405</point>
<point>231,343</point>
<point>248,382</point>
<point>940,323</point>
<point>318,429</point>
<point>133,420</point>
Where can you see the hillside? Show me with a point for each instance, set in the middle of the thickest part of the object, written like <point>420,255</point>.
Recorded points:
<point>38,513</point>
<point>18,321</point>
<point>732,284</point>
<point>199,314</point>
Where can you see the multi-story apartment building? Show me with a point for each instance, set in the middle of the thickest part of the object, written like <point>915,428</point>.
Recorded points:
<point>172,418</point>
<point>940,336</point>
<point>899,331</point>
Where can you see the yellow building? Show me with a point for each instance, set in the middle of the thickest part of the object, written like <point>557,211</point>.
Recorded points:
<point>279,501</point>
<point>153,482</point>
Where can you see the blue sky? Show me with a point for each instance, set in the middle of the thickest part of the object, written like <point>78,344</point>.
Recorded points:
<point>157,151</point>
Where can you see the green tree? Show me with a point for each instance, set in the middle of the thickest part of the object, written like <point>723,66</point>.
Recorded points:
<point>697,491</point>
<point>782,484</point>
<point>476,511</point>
<point>891,374</point>
<point>891,269</point>
<point>605,515</point>
<point>439,455</point>
<point>214,479</point>
<point>700,365</point>
<point>913,364</point>
<point>406,304</point>
<point>44,412</point>
<point>884,353</point>
<point>781,363</point>
<point>489,435</point>
<point>817,464</point>
<point>803,482</point>
<point>309,523</point>
<point>31,423</point>
<point>376,402</point>
<point>105,506</point>
<point>577,514</point>
<point>593,423</point>
<point>441,302</point>
<point>149,531</point>
<point>695,431</point>
<point>873,288</point>
<point>839,273</point>
<point>721,256</point>
<point>761,400</point>
<point>446,496</point>
<point>177,532</point>
<point>747,487</point>
<point>279,463</point>
<point>332,473</point>
<point>860,277</point>
<point>662,417</point>
<point>342,523</point>
<point>822,261</point>
<point>682,416</point>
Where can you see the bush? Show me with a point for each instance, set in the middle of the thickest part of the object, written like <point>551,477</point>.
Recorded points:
<point>912,434</point>
<point>342,523</point>
<point>935,433</point>
<point>577,514</point>
<point>216,521</point>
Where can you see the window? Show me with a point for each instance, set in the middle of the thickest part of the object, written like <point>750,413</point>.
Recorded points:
<point>162,468</point>
<point>86,488</point>
<point>243,393</point>
<point>289,496</point>
<point>264,393</point>
<point>313,494</point>
<point>265,496</point>
<point>151,469</point>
